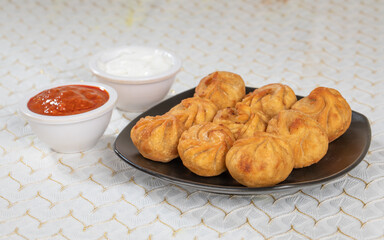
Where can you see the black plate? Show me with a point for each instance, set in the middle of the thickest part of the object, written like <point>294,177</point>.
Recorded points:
<point>343,155</point>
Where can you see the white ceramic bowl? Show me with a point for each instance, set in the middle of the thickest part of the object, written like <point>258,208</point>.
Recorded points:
<point>136,94</point>
<point>71,133</point>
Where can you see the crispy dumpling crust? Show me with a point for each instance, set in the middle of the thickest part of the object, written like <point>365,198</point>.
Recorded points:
<point>157,137</point>
<point>308,140</point>
<point>270,99</point>
<point>329,108</point>
<point>241,120</point>
<point>202,148</point>
<point>260,161</point>
<point>224,89</point>
<point>194,110</point>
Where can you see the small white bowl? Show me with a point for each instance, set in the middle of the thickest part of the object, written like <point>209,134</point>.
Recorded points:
<point>71,133</point>
<point>136,94</point>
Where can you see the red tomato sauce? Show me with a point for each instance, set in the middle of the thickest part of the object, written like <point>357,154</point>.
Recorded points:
<point>68,100</point>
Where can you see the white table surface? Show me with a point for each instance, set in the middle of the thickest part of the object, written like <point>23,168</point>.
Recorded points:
<point>95,195</point>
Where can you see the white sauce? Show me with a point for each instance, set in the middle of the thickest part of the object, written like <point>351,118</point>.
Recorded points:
<point>138,62</point>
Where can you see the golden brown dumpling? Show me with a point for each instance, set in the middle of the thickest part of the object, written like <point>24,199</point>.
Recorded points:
<point>203,147</point>
<point>232,119</point>
<point>224,89</point>
<point>241,121</point>
<point>257,123</point>
<point>157,137</point>
<point>308,140</point>
<point>271,99</point>
<point>260,161</point>
<point>329,108</point>
<point>193,111</point>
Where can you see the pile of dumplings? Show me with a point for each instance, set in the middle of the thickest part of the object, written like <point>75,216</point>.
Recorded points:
<point>259,137</point>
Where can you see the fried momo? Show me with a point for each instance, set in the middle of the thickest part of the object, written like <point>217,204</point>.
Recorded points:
<point>308,140</point>
<point>193,111</point>
<point>224,89</point>
<point>241,121</point>
<point>202,148</point>
<point>329,108</point>
<point>157,137</point>
<point>260,161</point>
<point>270,99</point>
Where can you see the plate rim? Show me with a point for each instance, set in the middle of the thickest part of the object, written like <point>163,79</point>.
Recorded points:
<point>240,190</point>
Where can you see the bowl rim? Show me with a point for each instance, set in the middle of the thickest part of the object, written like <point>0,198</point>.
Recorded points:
<point>75,118</point>
<point>176,67</point>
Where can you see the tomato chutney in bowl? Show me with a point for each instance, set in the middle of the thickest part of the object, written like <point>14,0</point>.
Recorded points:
<point>72,117</point>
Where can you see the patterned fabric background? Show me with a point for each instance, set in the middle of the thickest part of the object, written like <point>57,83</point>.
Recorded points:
<point>94,195</point>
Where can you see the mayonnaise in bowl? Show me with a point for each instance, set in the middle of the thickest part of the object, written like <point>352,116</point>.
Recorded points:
<point>137,62</point>
<point>142,76</point>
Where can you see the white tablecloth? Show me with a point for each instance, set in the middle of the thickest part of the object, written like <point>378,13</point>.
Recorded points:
<point>95,195</point>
